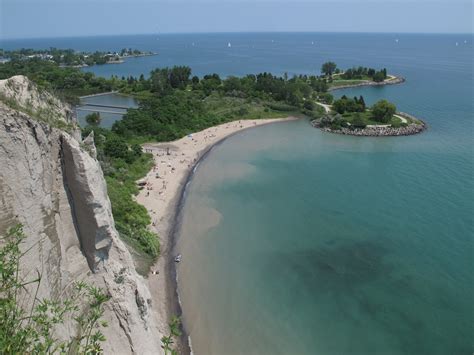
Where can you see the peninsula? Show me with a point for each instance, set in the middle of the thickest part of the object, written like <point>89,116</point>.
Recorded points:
<point>351,117</point>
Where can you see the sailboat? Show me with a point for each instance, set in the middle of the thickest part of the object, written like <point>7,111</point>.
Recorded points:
<point>229,45</point>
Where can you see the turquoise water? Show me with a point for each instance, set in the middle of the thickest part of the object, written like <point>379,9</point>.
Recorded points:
<point>296,241</point>
<point>108,115</point>
<point>299,242</point>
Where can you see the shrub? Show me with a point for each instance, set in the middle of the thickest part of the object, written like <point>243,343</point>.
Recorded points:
<point>326,98</point>
<point>358,122</point>
<point>309,105</point>
<point>93,119</point>
<point>281,107</point>
<point>336,126</point>
<point>31,331</point>
<point>116,147</point>
<point>175,331</point>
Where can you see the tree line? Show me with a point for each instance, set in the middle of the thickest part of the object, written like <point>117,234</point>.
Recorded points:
<point>69,57</point>
<point>355,73</point>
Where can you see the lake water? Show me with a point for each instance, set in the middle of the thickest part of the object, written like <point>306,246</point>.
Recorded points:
<point>296,241</point>
<point>108,115</point>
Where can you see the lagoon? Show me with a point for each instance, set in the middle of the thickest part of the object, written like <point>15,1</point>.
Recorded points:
<point>109,115</point>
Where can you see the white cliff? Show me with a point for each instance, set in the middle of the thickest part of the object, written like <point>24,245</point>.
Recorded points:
<point>52,183</point>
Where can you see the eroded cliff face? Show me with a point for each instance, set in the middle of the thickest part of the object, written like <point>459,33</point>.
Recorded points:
<point>52,183</point>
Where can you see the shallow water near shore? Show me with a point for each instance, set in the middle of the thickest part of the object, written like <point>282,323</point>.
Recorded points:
<point>313,254</point>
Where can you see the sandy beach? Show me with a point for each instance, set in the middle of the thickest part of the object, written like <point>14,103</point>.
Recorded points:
<point>161,195</point>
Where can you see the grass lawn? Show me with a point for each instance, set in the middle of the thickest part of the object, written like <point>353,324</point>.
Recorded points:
<point>367,118</point>
<point>338,81</point>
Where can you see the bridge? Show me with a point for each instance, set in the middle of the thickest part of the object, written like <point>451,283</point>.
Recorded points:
<point>105,106</point>
<point>100,108</point>
<point>100,111</point>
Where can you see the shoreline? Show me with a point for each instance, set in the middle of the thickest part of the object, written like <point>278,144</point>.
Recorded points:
<point>381,130</point>
<point>378,131</point>
<point>175,163</point>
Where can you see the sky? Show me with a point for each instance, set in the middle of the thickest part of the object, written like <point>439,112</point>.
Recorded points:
<point>64,18</point>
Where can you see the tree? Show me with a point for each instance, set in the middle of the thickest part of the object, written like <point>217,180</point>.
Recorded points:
<point>326,98</point>
<point>340,106</point>
<point>210,83</point>
<point>159,81</point>
<point>345,104</point>
<point>328,68</point>
<point>137,150</point>
<point>179,76</point>
<point>383,111</point>
<point>116,147</point>
<point>378,77</point>
<point>232,83</point>
<point>93,119</point>
<point>362,103</point>
<point>319,85</point>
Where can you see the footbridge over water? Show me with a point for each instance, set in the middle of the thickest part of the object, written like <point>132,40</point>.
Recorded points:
<point>102,108</point>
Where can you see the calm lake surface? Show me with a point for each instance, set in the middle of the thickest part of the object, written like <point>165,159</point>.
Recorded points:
<point>108,115</point>
<point>296,241</point>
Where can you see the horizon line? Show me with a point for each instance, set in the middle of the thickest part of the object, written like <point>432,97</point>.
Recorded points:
<point>234,32</point>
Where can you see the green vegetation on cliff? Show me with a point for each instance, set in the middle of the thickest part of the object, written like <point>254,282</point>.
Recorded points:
<point>31,331</point>
<point>123,164</point>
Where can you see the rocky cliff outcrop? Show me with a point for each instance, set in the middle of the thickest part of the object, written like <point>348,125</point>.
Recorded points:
<point>52,183</point>
<point>22,94</point>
